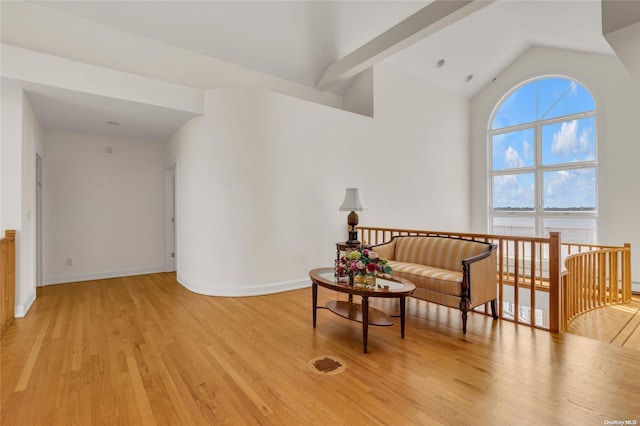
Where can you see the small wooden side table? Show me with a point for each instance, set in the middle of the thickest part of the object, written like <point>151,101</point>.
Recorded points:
<point>345,247</point>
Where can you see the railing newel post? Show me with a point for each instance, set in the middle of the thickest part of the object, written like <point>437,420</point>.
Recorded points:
<point>554,282</point>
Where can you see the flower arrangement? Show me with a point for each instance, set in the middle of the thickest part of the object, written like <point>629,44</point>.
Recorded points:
<point>363,261</point>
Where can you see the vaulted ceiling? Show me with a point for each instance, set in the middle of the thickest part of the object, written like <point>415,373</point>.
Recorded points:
<point>299,40</point>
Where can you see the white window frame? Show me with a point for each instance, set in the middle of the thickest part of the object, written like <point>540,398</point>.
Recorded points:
<point>538,169</point>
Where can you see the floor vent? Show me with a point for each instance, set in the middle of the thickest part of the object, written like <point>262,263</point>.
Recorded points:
<point>327,365</point>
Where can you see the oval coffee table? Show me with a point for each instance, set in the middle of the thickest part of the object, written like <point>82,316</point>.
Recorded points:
<point>392,287</point>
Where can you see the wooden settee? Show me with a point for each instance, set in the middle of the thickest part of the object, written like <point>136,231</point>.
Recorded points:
<point>448,271</point>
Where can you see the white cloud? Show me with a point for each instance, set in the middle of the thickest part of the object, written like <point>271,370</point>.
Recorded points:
<point>513,191</point>
<point>512,158</point>
<point>575,188</point>
<point>584,139</point>
<point>556,180</point>
<point>526,147</point>
<point>566,140</point>
<point>505,180</point>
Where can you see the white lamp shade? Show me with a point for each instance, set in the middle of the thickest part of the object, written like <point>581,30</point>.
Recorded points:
<point>352,201</point>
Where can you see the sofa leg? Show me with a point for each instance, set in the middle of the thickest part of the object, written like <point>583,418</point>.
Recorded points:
<point>464,307</point>
<point>494,313</point>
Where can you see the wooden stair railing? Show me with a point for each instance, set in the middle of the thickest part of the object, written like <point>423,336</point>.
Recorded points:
<point>525,266</point>
<point>7,279</point>
<point>595,279</point>
<point>529,268</point>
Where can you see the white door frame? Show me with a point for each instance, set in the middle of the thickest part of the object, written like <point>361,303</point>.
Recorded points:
<point>170,219</point>
<point>38,222</point>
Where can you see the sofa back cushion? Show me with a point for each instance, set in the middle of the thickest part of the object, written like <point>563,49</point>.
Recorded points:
<point>441,252</point>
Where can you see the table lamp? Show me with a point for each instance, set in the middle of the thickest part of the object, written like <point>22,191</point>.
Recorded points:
<point>353,203</point>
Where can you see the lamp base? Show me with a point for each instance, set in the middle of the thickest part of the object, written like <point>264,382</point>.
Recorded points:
<point>353,238</point>
<point>352,221</point>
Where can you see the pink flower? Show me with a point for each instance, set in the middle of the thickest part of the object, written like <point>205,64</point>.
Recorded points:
<point>372,255</point>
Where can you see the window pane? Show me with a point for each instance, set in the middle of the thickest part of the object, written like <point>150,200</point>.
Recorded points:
<point>544,171</point>
<point>569,142</point>
<point>570,190</point>
<point>561,96</point>
<point>513,192</point>
<point>541,100</point>
<point>517,108</point>
<point>516,226</point>
<point>579,231</point>
<point>512,150</point>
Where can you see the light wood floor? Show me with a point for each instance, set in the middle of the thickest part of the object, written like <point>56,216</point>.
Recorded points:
<point>143,350</point>
<point>619,325</point>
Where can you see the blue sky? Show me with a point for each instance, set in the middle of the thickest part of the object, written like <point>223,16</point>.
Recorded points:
<point>566,142</point>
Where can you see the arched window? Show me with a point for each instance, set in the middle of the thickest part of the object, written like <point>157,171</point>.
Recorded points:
<point>543,161</point>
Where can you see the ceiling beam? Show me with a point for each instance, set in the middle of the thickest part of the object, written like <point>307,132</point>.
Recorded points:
<point>428,20</point>
<point>621,29</point>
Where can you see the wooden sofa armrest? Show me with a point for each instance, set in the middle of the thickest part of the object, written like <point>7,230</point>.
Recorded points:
<point>479,280</point>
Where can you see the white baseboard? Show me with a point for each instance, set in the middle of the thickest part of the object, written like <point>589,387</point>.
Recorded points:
<point>21,310</point>
<point>635,287</point>
<point>102,275</point>
<point>258,290</point>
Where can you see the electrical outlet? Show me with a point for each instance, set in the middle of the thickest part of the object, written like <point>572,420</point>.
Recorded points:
<point>69,261</point>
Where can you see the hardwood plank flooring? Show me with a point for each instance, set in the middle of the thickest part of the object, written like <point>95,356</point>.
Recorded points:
<point>144,350</point>
<point>619,325</point>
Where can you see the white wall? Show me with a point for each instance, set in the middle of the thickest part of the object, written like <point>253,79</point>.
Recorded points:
<point>20,140</point>
<point>11,171</point>
<point>618,101</point>
<point>11,166</point>
<point>422,133</point>
<point>105,211</point>
<point>32,143</point>
<point>46,70</point>
<point>260,177</point>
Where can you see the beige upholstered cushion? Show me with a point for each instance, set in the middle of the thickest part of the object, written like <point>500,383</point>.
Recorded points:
<point>438,280</point>
<point>444,253</point>
<point>434,265</point>
<point>439,298</point>
<point>386,251</point>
